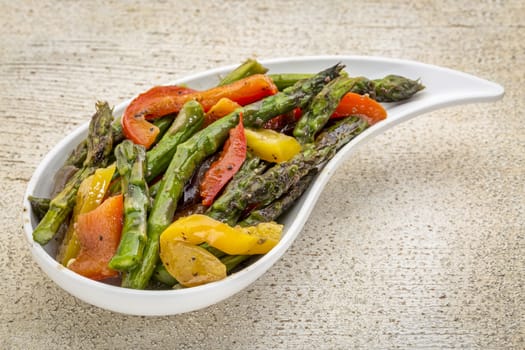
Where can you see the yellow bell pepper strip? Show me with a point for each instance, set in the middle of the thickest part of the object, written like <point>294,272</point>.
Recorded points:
<point>267,234</point>
<point>99,234</point>
<point>196,229</point>
<point>192,265</point>
<point>89,196</point>
<point>271,145</point>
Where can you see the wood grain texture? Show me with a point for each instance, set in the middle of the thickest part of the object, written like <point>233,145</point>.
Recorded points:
<point>418,240</point>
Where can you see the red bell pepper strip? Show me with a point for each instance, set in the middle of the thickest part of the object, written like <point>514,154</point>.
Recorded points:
<point>135,126</point>
<point>152,105</point>
<point>222,170</point>
<point>99,234</point>
<point>363,105</point>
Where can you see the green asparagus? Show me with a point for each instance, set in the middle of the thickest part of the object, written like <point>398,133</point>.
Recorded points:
<point>154,189</point>
<point>78,156</point>
<point>249,67</point>
<point>131,167</point>
<point>39,205</point>
<point>281,177</point>
<point>163,124</point>
<point>188,121</point>
<point>321,108</point>
<point>391,88</point>
<point>282,81</point>
<point>265,188</point>
<point>226,208</point>
<point>162,275</point>
<point>279,206</point>
<point>298,95</point>
<point>99,140</point>
<point>99,144</point>
<point>232,261</point>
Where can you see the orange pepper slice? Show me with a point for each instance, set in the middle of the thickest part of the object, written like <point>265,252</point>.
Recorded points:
<point>363,105</point>
<point>99,234</point>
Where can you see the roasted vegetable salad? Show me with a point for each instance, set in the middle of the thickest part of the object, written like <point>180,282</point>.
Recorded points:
<point>187,185</point>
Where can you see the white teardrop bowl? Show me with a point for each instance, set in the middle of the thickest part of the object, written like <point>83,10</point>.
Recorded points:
<point>444,87</point>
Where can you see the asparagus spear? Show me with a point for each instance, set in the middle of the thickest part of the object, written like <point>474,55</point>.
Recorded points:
<point>99,145</point>
<point>39,205</point>
<point>298,95</point>
<point>281,177</point>
<point>232,261</point>
<point>391,88</point>
<point>154,189</point>
<point>188,121</point>
<point>265,188</point>
<point>226,208</point>
<point>279,206</point>
<point>78,156</point>
<point>131,167</point>
<point>163,124</point>
<point>116,130</point>
<point>321,108</point>
<point>163,276</point>
<point>99,140</point>
<point>249,67</point>
<point>203,144</point>
<point>282,81</point>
